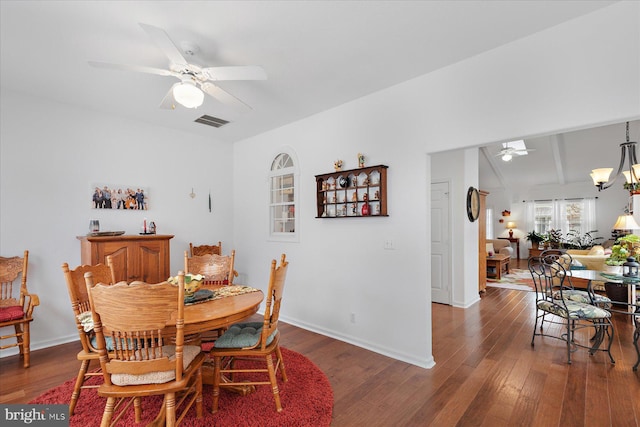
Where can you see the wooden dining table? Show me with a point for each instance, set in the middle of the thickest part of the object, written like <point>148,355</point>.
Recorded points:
<point>215,314</point>
<point>220,313</point>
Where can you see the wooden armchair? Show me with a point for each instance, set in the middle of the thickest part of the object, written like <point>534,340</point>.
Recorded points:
<point>16,303</point>
<point>84,321</point>
<point>217,269</point>
<point>139,318</point>
<point>253,340</point>
<point>205,249</point>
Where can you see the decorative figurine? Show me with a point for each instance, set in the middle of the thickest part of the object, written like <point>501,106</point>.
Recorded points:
<point>377,209</point>
<point>337,165</point>
<point>365,197</point>
<point>376,195</point>
<point>365,209</point>
<point>354,208</point>
<point>354,197</point>
<point>360,160</point>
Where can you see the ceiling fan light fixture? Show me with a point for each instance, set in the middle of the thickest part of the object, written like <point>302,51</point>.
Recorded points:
<point>507,157</point>
<point>188,95</point>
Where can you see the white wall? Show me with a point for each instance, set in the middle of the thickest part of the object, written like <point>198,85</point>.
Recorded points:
<point>50,155</point>
<point>575,75</point>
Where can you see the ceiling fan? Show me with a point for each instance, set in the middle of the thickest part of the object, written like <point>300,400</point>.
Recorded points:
<point>194,80</point>
<point>513,148</point>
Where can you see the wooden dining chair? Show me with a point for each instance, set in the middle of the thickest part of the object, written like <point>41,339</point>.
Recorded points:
<point>146,325</point>
<point>254,340</point>
<point>205,249</point>
<point>217,269</point>
<point>84,322</point>
<point>16,304</point>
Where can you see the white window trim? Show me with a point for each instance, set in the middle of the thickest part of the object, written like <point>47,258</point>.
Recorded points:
<point>558,214</point>
<point>295,170</point>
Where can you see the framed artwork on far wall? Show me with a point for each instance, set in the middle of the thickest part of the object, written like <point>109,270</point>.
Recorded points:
<point>119,197</point>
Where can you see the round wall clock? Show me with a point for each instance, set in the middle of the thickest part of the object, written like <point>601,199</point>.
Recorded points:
<point>473,204</point>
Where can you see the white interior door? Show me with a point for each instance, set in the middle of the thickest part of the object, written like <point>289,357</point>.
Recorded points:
<point>440,243</point>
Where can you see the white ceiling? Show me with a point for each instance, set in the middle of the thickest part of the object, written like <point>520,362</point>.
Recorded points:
<point>317,54</point>
<point>565,158</point>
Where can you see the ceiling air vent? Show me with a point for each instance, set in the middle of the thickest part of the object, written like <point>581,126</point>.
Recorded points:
<point>211,121</point>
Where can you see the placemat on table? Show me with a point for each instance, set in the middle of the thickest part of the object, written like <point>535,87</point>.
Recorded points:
<point>233,290</point>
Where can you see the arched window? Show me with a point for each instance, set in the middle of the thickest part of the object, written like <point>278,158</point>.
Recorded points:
<point>283,222</point>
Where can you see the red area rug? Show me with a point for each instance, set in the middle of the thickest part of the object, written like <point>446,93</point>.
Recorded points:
<point>307,400</point>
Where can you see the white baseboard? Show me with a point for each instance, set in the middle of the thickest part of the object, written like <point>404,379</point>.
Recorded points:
<point>39,345</point>
<point>426,363</point>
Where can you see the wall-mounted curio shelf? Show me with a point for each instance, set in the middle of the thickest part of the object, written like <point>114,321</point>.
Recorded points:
<point>352,193</point>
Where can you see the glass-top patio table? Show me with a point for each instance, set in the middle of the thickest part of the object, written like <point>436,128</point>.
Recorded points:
<point>632,304</point>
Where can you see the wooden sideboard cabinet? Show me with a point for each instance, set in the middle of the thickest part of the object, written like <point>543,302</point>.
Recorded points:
<point>144,258</point>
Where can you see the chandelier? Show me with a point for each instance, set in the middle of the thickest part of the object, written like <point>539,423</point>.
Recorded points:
<point>632,174</point>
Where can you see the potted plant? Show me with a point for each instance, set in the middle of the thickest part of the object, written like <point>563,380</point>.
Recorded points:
<point>535,238</point>
<point>555,238</point>
<point>633,188</point>
<point>625,247</point>
<point>575,240</point>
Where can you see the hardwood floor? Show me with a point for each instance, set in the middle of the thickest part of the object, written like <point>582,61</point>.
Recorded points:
<point>486,374</point>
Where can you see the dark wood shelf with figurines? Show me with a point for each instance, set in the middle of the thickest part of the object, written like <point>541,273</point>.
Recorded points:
<point>353,193</point>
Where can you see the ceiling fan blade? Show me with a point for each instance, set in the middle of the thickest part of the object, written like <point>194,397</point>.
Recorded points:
<point>242,72</point>
<point>169,102</point>
<point>138,68</point>
<point>162,40</point>
<point>224,96</point>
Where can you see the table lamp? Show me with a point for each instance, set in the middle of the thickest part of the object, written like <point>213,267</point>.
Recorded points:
<point>511,225</point>
<point>626,222</point>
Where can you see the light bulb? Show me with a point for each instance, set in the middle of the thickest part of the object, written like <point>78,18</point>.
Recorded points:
<point>188,95</point>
